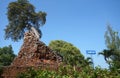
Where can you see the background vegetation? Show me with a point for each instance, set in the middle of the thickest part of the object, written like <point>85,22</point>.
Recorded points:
<point>6,55</point>
<point>21,14</point>
<point>76,66</point>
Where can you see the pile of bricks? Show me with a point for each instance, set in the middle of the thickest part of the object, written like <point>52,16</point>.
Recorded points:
<point>35,53</point>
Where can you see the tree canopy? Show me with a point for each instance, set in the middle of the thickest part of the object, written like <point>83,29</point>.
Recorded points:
<point>6,55</point>
<point>112,53</point>
<point>71,55</point>
<point>21,15</point>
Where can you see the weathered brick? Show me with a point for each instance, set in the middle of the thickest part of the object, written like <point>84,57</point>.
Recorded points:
<point>32,53</point>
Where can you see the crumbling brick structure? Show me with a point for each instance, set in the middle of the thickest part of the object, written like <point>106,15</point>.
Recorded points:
<point>32,53</point>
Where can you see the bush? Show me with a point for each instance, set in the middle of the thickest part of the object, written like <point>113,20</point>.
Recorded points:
<point>69,72</point>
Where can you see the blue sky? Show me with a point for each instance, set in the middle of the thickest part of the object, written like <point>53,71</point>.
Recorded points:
<point>80,22</point>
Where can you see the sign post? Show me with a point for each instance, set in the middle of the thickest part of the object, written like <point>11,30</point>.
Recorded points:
<point>91,52</point>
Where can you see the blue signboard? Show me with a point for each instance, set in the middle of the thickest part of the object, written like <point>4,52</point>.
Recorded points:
<point>91,52</point>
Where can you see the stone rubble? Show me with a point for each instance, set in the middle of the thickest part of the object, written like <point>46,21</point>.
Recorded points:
<point>34,52</point>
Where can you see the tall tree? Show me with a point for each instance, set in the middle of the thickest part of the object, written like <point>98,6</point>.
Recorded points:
<point>71,55</point>
<point>6,55</point>
<point>112,53</point>
<point>21,16</point>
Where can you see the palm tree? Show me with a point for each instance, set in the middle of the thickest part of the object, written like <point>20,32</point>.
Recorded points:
<point>88,61</point>
<point>106,54</point>
<point>22,16</point>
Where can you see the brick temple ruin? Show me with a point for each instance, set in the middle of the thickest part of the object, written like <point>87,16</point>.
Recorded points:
<point>33,53</point>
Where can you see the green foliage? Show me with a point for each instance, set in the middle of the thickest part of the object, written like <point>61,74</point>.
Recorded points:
<point>71,55</point>
<point>73,67</point>
<point>69,72</point>
<point>21,15</point>
<point>112,39</point>
<point>112,53</point>
<point>6,55</point>
<point>63,46</point>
